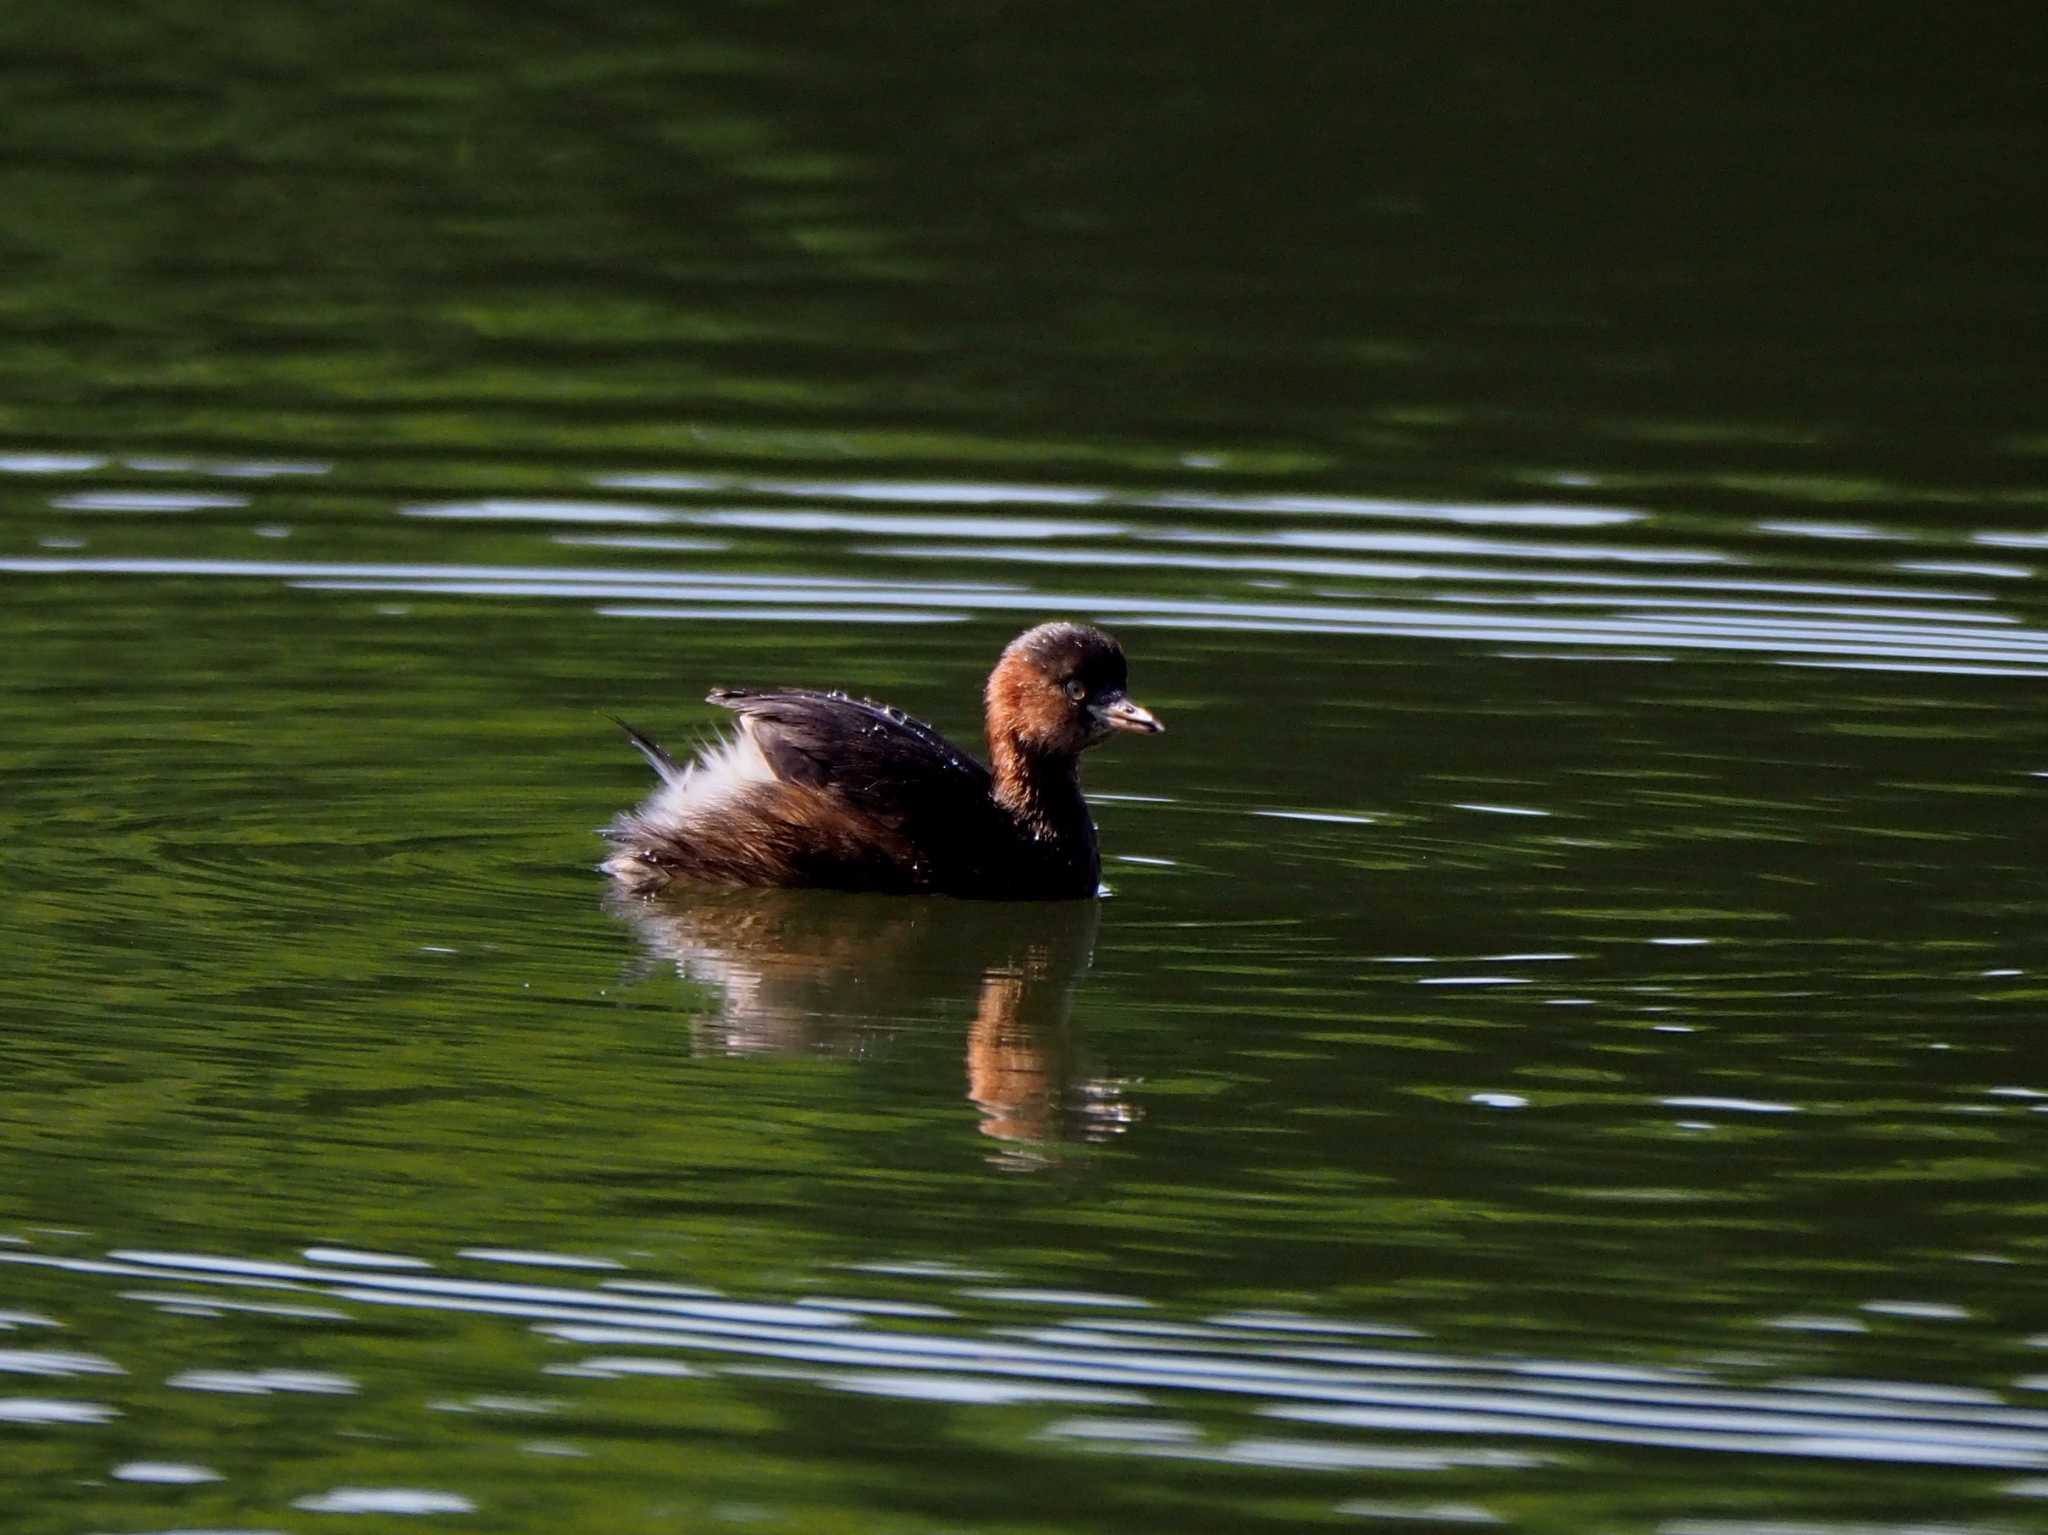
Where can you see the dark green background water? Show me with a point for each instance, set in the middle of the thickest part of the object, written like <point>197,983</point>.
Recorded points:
<point>1565,1046</point>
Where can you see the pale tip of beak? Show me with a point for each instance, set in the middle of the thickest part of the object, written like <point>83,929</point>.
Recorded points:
<point>1122,714</point>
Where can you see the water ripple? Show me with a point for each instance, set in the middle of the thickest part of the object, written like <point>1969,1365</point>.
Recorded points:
<point>1990,648</point>
<point>1278,1366</point>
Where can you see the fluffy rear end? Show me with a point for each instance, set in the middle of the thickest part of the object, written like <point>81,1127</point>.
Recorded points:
<point>681,829</point>
<point>725,818</point>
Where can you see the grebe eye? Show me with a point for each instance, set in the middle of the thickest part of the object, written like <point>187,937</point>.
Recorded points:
<point>1077,690</point>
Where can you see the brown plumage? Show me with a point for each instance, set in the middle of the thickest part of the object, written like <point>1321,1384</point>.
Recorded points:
<point>824,790</point>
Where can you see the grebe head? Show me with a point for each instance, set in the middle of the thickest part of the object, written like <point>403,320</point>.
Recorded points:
<point>1058,690</point>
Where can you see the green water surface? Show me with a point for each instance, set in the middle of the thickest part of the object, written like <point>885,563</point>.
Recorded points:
<point>1562,1045</point>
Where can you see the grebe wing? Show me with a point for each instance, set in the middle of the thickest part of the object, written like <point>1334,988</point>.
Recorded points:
<point>870,754</point>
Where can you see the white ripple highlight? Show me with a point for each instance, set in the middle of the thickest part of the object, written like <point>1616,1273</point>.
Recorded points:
<point>1086,1350</point>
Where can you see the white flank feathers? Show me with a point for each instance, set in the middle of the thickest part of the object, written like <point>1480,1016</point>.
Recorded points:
<point>717,773</point>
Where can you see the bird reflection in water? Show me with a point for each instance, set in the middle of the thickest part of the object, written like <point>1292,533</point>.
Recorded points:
<point>803,972</point>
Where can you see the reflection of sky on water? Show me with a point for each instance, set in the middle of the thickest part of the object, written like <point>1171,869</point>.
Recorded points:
<point>1914,639</point>
<point>1214,1387</point>
<point>1811,597</point>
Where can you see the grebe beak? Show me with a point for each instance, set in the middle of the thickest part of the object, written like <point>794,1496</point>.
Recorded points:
<point>1119,713</point>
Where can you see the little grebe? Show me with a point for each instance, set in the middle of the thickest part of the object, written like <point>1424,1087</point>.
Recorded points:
<point>824,790</point>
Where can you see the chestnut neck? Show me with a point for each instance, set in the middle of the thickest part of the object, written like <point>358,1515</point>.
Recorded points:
<point>1037,786</point>
<point>1041,789</point>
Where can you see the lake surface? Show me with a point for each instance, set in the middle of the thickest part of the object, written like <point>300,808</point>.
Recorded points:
<point>1562,1048</point>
